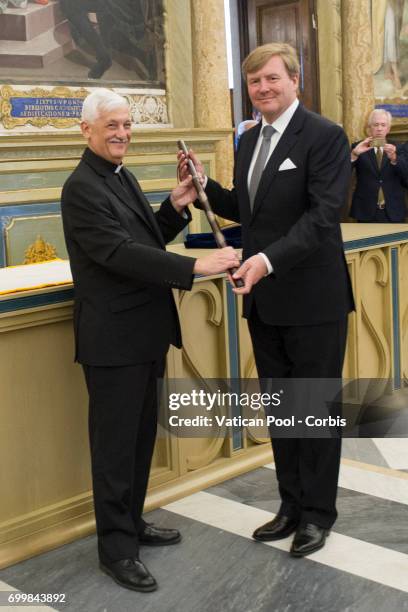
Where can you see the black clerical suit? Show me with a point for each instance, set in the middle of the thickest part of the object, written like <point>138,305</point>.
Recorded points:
<point>125,319</point>
<point>297,316</point>
<point>370,177</point>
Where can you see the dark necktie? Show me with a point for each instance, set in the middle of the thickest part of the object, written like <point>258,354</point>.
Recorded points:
<point>379,156</point>
<point>267,133</point>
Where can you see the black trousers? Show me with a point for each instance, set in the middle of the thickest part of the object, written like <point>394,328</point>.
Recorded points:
<point>307,469</point>
<point>380,216</point>
<point>77,13</point>
<point>123,407</point>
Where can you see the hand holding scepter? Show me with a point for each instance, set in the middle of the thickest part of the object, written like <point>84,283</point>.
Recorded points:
<point>203,199</point>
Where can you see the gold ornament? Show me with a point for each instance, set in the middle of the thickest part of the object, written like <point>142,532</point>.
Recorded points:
<point>40,251</point>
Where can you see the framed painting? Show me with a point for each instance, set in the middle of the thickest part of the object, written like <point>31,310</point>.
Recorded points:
<point>390,56</point>
<point>54,52</point>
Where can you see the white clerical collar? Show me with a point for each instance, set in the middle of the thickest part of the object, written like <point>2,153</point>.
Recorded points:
<point>281,123</point>
<point>118,168</point>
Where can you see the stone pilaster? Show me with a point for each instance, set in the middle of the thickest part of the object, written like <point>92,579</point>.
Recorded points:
<point>212,105</point>
<point>358,80</point>
<point>330,59</point>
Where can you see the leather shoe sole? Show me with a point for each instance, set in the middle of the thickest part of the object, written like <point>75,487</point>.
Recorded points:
<point>128,585</point>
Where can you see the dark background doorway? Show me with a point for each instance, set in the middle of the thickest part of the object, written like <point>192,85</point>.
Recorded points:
<point>291,21</point>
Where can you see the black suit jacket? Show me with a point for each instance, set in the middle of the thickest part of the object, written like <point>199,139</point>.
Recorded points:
<point>392,178</point>
<point>295,221</point>
<point>124,308</point>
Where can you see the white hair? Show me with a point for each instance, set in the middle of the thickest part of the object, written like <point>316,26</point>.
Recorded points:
<point>100,101</point>
<point>245,125</point>
<point>379,111</point>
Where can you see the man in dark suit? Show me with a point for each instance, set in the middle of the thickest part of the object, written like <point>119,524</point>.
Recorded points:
<point>290,183</point>
<point>125,319</point>
<point>381,172</point>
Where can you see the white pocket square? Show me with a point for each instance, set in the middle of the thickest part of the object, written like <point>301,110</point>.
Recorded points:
<point>287,165</point>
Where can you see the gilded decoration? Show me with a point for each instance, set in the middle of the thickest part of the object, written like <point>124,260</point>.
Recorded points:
<point>148,109</point>
<point>59,107</point>
<point>40,251</point>
<point>31,239</point>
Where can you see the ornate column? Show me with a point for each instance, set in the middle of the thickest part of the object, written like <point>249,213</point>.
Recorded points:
<point>212,105</point>
<point>330,59</point>
<point>358,80</point>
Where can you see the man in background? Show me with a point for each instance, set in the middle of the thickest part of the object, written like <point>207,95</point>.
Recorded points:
<point>381,174</point>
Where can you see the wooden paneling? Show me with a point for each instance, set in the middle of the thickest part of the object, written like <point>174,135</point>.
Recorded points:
<point>290,21</point>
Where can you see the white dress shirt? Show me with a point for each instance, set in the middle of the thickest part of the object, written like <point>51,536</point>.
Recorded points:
<point>280,126</point>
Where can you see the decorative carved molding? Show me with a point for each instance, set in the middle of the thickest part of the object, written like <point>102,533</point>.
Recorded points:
<point>214,317</point>
<point>404,309</point>
<point>378,338</point>
<point>60,107</point>
<point>148,109</point>
<point>193,353</point>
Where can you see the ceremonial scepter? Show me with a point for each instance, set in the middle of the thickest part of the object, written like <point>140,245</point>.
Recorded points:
<point>202,197</point>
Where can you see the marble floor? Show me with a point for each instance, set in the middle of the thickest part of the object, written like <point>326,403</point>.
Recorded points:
<point>218,567</point>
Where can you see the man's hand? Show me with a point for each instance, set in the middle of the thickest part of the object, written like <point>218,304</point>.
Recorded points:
<point>183,194</point>
<point>217,262</point>
<point>251,271</point>
<point>391,151</point>
<point>362,147</point>
<point>183,169</point>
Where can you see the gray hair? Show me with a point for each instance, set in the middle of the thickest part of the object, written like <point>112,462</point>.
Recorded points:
<point>100,101</point>
<point>379,111</point>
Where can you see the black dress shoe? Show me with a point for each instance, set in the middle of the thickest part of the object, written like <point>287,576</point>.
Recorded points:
<point>308,539</point>
<point>156,536</point>
<point>99,68</point>
<point>131,574</point>
<point>277,529</point>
